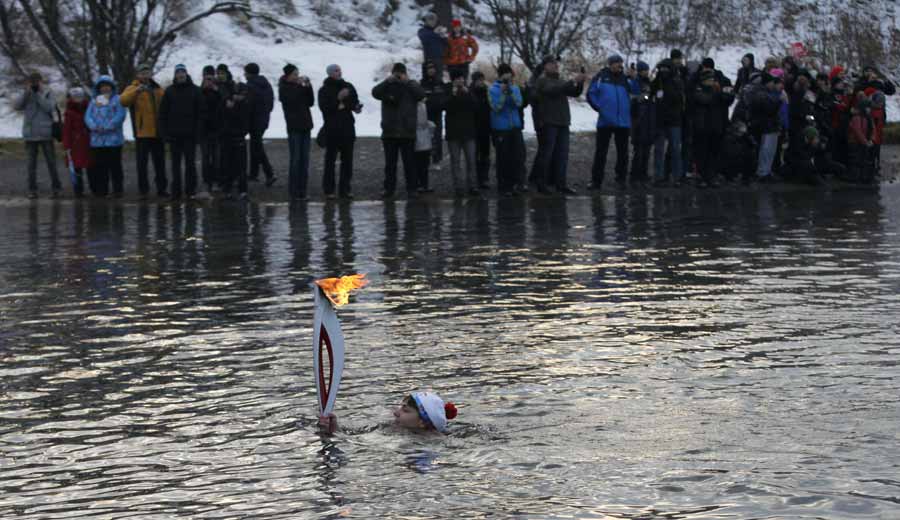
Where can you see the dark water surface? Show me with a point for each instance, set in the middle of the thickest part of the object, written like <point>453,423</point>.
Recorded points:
<point>646,356</point>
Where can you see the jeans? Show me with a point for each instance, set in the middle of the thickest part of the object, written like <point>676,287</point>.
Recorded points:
<point>552,160</point>
<point>298,173</point>
<point>344,147</point>
<point>149,148</point>
<point>672,134</point>
<point>49,151</point>
<point>108,167</point>
<point>768,146</point>
<point>184,148</point>
<point>211,160</point>
<point>403,149</point>
<point>466,148</point>
<point>510,150</point>
<point>258,156</point>
<point>598,172</point>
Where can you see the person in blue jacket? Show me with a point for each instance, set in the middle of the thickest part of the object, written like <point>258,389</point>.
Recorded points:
<point>610,95</point>
<point>104,118</point>
<point>506,128</point>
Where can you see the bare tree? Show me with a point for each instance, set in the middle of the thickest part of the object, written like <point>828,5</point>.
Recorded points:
<point>531,29</point>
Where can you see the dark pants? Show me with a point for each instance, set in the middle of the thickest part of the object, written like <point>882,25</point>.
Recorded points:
<point>108,168</point>
<point>151,149</point>
<point>49,155</point>
<point>602,148</point>
<point>552,161</point>
<point>640,162</point>
<point>184,148</point>
<point>464,68</point>
<point>234,164</point>
<point>77,175</point>
<point>862,165</point>
<point>344,147</point>
<point>510,150</point>
<point>403,149</point>
<point>483,157</point>
<point>211,160</point>
<point>258,157</point>
<point>298,173</point>
<point>422,160</point>
<point>706,153</point>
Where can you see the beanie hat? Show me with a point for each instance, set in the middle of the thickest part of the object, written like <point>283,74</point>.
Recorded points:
<point>433,410</point>
<point>708,63</point>
<point>504,68</point>
<point>209,70</point>
<point>675,54</point>
<point>615,58</point>
<point>836,80</point>
<point>664,64</point>
<point>836,71</point>
<point>810,133</point>
<point>456,23</point>
<point>35,76</point>
<point>251,68</point>
<point>180,67</point>
<point>398,67</point>
<point>869,91</point>
<point>778,73</point>
<point>430,18</point>
<point>642,66</point>
<point>222,68</point>
<point>549,58</point>
<point>76,92</point>
<point>331,69</point>
<point>289,69</point>
<point>477,75</point>
<point>456,73</point>
<point>144,67</point>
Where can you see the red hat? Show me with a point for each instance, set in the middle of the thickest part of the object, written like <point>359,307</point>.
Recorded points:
<point>869,91</point>
<point>835,71</point>
<point>456,23</point>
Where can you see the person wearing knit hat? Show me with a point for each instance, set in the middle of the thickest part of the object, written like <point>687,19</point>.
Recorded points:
<point>609,95</point>
<point>143,98</point>
<point>504,69</point>
<point>708,63</point>
<point>748,68</point>
<point>613,59</point>
<point>208,70</point>
<point>296,96</point>
<point>182,114</point>
<point>810,133</point>
<point>506,103</point>
<point>424,411</point>
<point>462,48</point>
<point>210,151</point>
<point>76,141</point>
<point>777,73</point>
<point>262,102</point>
<point>643,66</point>
<point>434,40</point>
<point>289,69</point>
<point>180,68</point>
<point>399,97</point>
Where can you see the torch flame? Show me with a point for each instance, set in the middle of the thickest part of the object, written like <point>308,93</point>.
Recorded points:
<point>337,290</point>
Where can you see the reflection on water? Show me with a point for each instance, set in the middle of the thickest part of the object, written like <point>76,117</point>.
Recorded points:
<point>643,356</point>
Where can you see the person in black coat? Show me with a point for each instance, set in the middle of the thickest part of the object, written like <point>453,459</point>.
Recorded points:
<point>182,118</point>
<point>399,98</point>
<point>338,101</point>
<point>643,125</point>
<point>739,153</point>
<point>262,101</point>
<point>748,67</point>
<point>236,115</point>
<point>296,96</point>
<point>210,150</point>
<point>462,107</point>
<point>709,102</point>
<point>667,91</point>
<point>479,90</point>
<point>436,92</point>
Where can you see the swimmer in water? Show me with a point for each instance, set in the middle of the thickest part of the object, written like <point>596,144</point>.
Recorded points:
<point>418,412</point>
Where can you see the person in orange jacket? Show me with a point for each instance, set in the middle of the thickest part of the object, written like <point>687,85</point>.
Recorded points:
<point>143,99</point>
<point>461,49</point>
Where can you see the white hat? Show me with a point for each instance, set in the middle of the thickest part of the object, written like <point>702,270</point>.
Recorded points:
<point>433,410</point>
<point>76,92</point>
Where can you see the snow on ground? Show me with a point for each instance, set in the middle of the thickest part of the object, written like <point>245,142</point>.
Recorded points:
<point>220,39</point>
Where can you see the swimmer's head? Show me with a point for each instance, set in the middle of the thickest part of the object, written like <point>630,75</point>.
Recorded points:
<point>424,411</point>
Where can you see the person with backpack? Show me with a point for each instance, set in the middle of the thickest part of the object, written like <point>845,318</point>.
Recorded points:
<point>38,106</point>
<point>182,117</point>
<point>76,141</point>
<point>143,98</point>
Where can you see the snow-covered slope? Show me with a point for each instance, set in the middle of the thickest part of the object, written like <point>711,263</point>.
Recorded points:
<point>364,37</point>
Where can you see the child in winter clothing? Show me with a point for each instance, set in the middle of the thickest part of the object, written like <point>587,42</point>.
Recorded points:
<point>76,141</point>
<point>235,128</point>
<point>461,50</point>
<point>424,138</point>
<point>859,142</point>
<point>104,118</point>
<point>739,155</point>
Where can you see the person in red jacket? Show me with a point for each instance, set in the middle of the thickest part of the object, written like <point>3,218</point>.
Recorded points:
<point>859,140</point>
<point>877,97</point>
<point>76,140</point>
<point>461,50</point>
